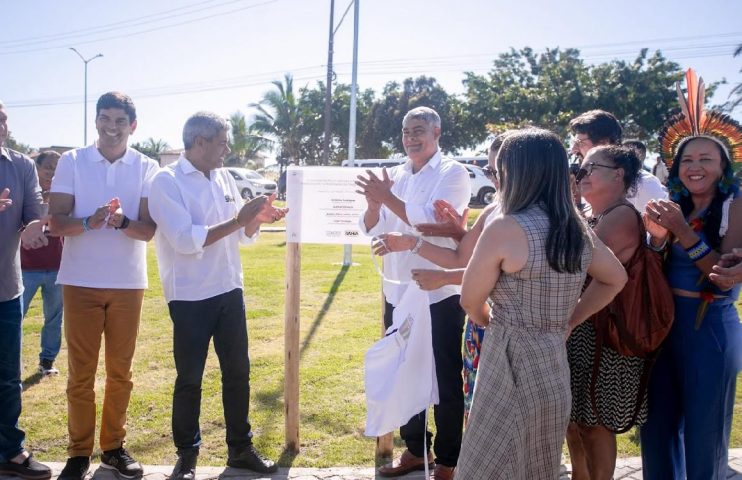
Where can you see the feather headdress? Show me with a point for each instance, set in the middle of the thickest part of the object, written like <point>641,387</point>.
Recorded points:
<point>695,121</point>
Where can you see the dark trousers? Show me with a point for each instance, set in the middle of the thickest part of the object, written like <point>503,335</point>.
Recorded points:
<point>447,319</point>
<point>11,437</point>
<point>195,323</point>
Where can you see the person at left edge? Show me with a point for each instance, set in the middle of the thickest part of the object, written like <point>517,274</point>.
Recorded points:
<point>98,201</point>
<point>20,204</point>
<point>201,222</point>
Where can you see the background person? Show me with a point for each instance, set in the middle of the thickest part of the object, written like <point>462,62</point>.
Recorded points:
<point>648,186</point>
<point>40,267</point>
<point>659,170</point>
<point>201,222</point>
<point>598,127</point>
<point>531,263</point>
<point>98,202</point>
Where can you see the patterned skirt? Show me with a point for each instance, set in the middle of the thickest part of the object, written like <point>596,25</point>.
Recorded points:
<point>617,385</point>
<point>473,336</point>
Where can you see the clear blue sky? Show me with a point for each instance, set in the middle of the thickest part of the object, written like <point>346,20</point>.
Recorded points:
<point>177,57</point>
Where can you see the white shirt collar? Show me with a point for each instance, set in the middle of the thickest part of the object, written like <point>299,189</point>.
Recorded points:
<point>127,158</point>
<point>434,161</point>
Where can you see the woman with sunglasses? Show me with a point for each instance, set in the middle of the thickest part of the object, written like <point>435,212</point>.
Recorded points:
<point>606,176</point>
<point>692,389</point>
<point>529,263</point>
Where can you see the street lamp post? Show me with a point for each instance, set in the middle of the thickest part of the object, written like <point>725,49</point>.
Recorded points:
<point>85,101</point>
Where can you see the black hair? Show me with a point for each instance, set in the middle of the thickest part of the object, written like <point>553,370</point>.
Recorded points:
<point>41,158</point>
<point>533,171</point>
<point>117,100</point>
<point>624,157</point>
<point>639,148</point>
<point>598,125</point>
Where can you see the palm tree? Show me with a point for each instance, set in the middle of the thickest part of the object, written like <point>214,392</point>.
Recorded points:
<point>246,142</point>
<point>151,147</point>
<point>279,118</point>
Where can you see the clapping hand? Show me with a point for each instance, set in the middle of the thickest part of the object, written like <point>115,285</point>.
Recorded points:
<point>663,216</point>
<point>260,209</point>
<point>33,234</point>
<point>5,200</point>
<point>728,271</point>
<point>376,190</point>
<point>393,242</point>
<point>450,223</point>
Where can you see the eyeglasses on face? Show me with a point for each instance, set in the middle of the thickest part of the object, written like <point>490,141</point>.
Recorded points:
<point>489,172</point>
<point>587,170</point>
<point>579,141</point>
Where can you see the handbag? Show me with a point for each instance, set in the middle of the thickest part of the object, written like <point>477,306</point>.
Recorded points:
<point>637,320</point>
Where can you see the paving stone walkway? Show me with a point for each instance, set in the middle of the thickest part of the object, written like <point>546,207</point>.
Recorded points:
<point>626,469</point>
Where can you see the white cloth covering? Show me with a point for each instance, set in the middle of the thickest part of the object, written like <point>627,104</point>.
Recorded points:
<point>400,368</point>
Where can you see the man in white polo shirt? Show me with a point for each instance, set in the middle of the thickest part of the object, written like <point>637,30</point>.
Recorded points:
<point>98,201</point>
<point>201,221</point>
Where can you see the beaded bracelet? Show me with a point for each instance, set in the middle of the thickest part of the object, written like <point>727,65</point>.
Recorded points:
<point>698,251</point>
<point>85,226</point>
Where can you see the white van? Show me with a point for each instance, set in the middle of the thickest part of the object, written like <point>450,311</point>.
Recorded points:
<point>482,189</point>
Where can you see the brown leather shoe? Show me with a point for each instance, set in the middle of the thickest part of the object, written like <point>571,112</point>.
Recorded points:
<point>403,465</point>
<point>443,472</point>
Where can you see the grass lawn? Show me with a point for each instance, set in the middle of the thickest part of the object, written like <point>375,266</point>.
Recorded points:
<point>340,315</point>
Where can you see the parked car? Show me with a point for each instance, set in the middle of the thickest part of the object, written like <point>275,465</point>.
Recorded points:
<point>251,183</point>
<point>482,189</point>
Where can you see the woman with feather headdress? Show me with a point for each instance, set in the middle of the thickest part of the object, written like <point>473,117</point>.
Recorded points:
<point>692,389</point>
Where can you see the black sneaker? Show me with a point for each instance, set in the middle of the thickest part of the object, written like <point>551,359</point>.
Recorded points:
<point>185,467</point>
<point>46,367</point>
<point>121,463</point>
<point>248,457</point>
<point>29,469</point>
<point>75,469</point>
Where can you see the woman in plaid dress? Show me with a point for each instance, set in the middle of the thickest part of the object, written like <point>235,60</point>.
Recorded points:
<point>531,262</point>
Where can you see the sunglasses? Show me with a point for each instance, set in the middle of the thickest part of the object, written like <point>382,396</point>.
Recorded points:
<point>489,172</point>
<point>587,170</point>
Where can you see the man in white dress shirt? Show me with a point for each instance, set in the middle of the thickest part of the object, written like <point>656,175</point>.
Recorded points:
<point>201,222</point>
<point>397,202</point>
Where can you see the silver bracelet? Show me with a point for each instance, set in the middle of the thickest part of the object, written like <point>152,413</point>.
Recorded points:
<point>417,246</point>
<point>661,248</point>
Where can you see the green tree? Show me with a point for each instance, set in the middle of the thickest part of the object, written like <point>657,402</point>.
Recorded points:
<point>246,143</point>
<point>14,144</point>
<point>548,89</point>
<point>387,112</point>
<point>312,101</point>
<point>151,147</point>
<point>279,118</point>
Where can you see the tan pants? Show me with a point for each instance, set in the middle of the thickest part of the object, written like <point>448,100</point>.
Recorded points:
<point>90,313</point>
